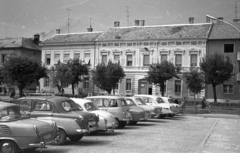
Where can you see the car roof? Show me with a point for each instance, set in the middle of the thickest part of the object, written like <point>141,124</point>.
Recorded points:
<point>147,96</point>
<point>54,99</point>
<point>81,100</point>
<point>5,105</point>
<point>110,97</point>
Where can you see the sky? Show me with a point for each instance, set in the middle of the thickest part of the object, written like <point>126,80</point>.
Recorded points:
<point>24,18</point>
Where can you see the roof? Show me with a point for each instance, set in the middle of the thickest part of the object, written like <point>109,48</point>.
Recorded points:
<point>73,38</point>
<point>221,30</point>
<point>106,97</point>
<point>18,43</point>
<point>180,31</point>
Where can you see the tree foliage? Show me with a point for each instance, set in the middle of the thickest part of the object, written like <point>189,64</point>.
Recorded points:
<point>216,69</point>
<point>195,80</point>
<point>22,71</point>
<point>107,76</point>
<point>160,72</point>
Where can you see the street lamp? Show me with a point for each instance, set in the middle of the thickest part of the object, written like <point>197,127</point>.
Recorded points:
<point>211,17</point>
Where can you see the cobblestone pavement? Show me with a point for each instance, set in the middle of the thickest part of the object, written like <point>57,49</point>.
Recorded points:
<point>181,134</point>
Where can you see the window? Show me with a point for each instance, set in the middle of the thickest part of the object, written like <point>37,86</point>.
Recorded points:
<point>128,84</point>
<point>76,55</point>
<point>227,88</point>
<point>193,60</point>
<point>178,60</point>
<point>25,105</point>
<point>56,58</point>
<point>46,82</point>
<point>104,59</point>
<point>113,103</point>
<point>228,48</point>
<point>69,106</point>
<point>116,58</point>
<point>177,87</point>
<point>48,59</point>
<point>163,57</point>
<point>3,58</point>
<point>86,83</point>
<point>87,58</point>
<point>146,60</point>
<point>42,106</point>
<point>66,56</point>
<point>129,60</point>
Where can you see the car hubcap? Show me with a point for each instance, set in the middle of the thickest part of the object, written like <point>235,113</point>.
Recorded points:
<point>7,148</point>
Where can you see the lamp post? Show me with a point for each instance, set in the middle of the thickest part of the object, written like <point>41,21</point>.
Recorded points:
<point>211,17</point>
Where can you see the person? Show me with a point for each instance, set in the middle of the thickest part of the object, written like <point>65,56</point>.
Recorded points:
<point>203,102</point>
<point>62,91</point>
<point>12,94</point>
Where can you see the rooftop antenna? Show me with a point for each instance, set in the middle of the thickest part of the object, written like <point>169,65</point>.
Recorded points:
<point>68,18</point>
<point>127,7</point>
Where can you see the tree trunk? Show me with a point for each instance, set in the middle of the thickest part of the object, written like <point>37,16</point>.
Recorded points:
<point>162,89</point>
<point>73,93</point>
<point>20,92</point>
<point>114,91</point>
<point>214,93</point>
<point>195,102</point>
<point>109,92</point>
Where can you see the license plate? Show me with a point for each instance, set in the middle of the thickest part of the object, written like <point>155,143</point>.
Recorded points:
<point>92,123</point>
<point>47,136</point>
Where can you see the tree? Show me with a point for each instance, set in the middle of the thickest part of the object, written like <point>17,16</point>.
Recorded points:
<point>160,72</point>
<point>77,69</point>
<point>22,71</point>
<point>59,76</point>
<point>107,76</point>
<point>216,69</point>
<point>195,80</point>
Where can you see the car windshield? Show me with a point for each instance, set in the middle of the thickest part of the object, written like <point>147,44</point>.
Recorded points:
<point>139,101</point>
<point>90,106</point>
<point>12,113</point>
<point>130,102</point>
<point>159,100</point>
<point>170,100</point>
<point>69,106</point>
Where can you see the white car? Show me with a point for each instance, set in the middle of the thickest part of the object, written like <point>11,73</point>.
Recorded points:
<point>171,102</point>
<point>107,121</point>
<point>167,109</point>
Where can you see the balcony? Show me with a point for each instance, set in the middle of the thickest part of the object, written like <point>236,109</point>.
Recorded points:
<point>238,56</point>
<point>238,77</point>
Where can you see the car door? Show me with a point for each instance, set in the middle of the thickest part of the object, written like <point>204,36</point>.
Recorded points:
<point>42,109</point>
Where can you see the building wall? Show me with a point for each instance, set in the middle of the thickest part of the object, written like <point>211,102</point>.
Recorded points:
<point>217,46</point>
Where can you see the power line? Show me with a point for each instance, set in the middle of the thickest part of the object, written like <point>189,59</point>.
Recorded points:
<point>68,17</point>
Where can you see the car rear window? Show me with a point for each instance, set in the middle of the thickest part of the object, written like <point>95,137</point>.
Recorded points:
<point>69,106</point>
<point>159,100</point>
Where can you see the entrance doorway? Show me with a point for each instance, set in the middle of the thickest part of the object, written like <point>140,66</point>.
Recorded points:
<point>144,87</point>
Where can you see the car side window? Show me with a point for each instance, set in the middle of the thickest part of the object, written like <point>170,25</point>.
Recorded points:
<point>25,105</point>
<point>123,102</point>
<point>130,102</point>
<point>7,114</point>
<point>113,103</point>
<point>146,100</point>
<point>41,105</point>
<point>105,103</point>
<point>159,100</point>
<point>98,102</point>
<point>66,106</point>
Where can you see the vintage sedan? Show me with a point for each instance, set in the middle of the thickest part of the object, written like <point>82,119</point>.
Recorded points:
<point>107,121</point>
<point>18,132</point>
<point>167,109</point>
<point>71,121</point>
<point>114,105</point>
<point>171,102</point>
<point>155,111</point>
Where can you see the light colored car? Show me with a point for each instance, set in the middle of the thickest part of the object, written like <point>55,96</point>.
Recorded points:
<point>114,105</point>
<point>167,109</point>
<point>171,102</point>
<point>71,121</point>
<point>18,132</point>
<point>107,121</point>
<point>155,111</point>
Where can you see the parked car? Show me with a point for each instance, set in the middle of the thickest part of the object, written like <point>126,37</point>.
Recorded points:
<point>171,102</point>
<point>167,109</point>
<point>71,121</point>
<point>144,113</point>
<point>18,132</point>
<point>114,105</point>
<point>107,121</point>
<point>155,111</point>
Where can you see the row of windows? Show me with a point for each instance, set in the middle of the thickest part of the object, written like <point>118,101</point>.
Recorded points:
<point>85,83</point>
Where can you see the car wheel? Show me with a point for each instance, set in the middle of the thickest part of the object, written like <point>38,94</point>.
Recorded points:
<point>76,138</point>
<point>133,122</point>
<point>122,124</point>
<point>161,116</point>
<point>170,115</point>
<point>62,137</point>
<point>7,146</point>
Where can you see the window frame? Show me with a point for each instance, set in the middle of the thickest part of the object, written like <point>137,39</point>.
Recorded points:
<point>228,89</point>
<point>180,55</point>
<point>127,62</point>
<point>226,48</point>
<point>127,84</point>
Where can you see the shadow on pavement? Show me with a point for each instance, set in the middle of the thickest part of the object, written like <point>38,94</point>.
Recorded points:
<point>86,142</point>
<point>106,134</point>
<point>141,124</point>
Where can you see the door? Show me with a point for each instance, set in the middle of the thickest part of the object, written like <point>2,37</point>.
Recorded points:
<point>142,87</point>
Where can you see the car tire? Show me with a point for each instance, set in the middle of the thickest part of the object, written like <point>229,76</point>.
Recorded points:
<point>161,116</point>
<point>122,124</point>
<point>171,115</point>
<point>133,122</point>
<point>62,137</point>
<point>75,138</point>
<point>7,146</point>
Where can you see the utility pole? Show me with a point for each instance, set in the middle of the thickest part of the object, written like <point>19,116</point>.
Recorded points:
<point>127,7</point>
<point>68,18</point>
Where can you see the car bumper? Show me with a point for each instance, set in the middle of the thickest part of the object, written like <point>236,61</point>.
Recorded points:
<point>38,145</point>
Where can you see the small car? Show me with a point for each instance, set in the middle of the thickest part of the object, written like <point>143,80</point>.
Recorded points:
<point>155,111</point>
<point>114,105</point>
<point>171,102</point>
<point>167,109</point>
<point>18,132</point>
<point>71,121</point>
<point>107,122</point>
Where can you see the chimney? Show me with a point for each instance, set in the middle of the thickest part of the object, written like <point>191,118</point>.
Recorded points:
<point>208,19</point>
<point>142,22</point>
<point>36,38</point>
<point>236,20</point>
<point>136,22</point>
<point>58,31</point>
<point>191,20</point>
<point>116,24</point>
<point>90,29</point>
